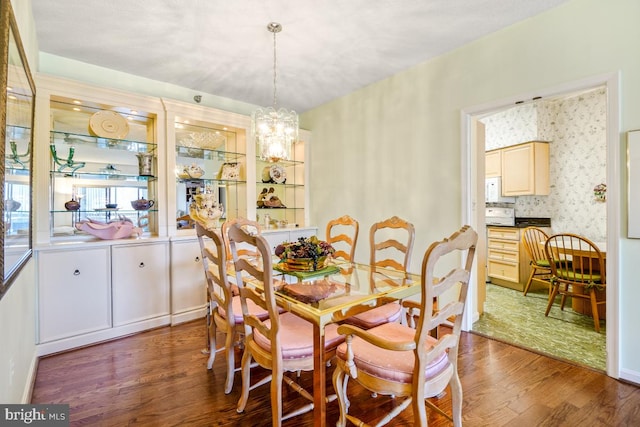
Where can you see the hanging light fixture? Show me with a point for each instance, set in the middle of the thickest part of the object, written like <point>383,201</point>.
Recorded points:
<point>275,130</point>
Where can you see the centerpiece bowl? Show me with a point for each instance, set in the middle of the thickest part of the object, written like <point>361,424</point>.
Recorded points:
<point>305,254</point>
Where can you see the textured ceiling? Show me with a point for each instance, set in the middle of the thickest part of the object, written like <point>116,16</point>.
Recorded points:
<point>326,49</point>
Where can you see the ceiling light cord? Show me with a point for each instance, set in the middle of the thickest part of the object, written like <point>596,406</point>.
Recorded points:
<point>275,28</point>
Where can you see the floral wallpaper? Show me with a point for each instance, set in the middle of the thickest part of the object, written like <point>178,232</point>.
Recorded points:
<point>576,128</point>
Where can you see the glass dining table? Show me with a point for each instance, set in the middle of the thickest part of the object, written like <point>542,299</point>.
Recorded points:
<point>334,294</point>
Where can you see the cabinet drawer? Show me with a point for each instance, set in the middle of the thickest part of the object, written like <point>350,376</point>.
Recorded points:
<point>504,245</point>
<point>503,270</point>
<point>503,255</point>
<point>503,233</point>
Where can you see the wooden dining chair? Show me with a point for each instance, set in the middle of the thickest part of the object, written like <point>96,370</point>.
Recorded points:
<point>283,342</point>
<point>396,360</point>
<point>533,239</point>
<point>342,234</point>
<point>578,271</point>
<point>391,244</point>
<point>224,313</point>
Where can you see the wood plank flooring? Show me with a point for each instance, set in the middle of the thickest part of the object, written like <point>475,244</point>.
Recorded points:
<point>159,378</point>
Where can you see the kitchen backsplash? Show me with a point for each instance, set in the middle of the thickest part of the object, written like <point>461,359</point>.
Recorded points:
<point>575,126</point>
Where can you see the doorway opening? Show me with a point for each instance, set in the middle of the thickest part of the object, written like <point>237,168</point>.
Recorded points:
<point>563,206</point>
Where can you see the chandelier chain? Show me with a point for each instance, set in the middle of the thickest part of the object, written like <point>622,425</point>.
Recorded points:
<point>275,96</point>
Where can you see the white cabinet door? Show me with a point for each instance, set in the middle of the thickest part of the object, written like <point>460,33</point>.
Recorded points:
<point>74,296</point>
<point>188,285</point>
<point>140,282</point>
<point>303,232</point>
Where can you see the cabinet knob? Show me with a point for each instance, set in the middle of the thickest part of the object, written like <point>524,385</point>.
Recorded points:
<point>76,272</point>
<point>141,265</point>
<point>197,259</point>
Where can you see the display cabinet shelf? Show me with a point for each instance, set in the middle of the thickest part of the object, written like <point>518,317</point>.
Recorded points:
<point>96,153</point>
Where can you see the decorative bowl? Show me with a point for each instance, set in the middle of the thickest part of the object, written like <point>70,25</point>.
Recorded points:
<point>305,264</point>
<point>111,205</point>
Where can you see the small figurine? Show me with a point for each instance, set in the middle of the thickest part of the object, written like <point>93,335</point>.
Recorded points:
<point>261,198</point>
<point>271,200</point>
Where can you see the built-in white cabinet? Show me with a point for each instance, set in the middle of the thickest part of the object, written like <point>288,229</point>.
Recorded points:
<point>91,293</point>
<point>107,155</point>
<point>188,285</point>
<point>140,282</point>
<point>74,292</point>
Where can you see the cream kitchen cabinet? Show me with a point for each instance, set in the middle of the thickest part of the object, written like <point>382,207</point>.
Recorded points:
<point>507,258</point>
<point>493,163</point>
<point>140,282</point>
<point>188,285</point>
<point>525,169</point>
<point>74,293</point>
<point>503,256</point>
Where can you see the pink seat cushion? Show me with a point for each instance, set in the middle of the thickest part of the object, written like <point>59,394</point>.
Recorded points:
<point>377,316</point>
<point>254,309</point>
<point>391,365</point>
<point>296,337</point>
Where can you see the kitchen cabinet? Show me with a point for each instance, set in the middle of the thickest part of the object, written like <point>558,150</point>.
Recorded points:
<point>493,163</point>
<point>74,292</point>
<point>507,258</point>
<point>525,169</point>
<point>140,282</point>
<point>188,286</point>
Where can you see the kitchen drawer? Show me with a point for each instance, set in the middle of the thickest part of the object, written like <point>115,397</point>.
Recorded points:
<point>503,270</point>
<point>503,233</point>
<point>502,255</point>
<point>504,245</point>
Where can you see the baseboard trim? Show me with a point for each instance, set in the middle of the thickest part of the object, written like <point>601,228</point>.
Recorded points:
<point>630,376</point>
<point>84,340</point>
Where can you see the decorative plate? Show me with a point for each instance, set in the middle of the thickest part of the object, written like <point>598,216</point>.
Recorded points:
<point>278,174</point>
<point>108,124</point>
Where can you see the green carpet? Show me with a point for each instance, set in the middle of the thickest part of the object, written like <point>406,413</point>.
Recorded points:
<point>511,317</point>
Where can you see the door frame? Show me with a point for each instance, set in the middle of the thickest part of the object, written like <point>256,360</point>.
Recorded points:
<point>472,179</point>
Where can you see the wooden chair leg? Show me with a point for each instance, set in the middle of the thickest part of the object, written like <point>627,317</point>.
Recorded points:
<point>528,285</point>
<point>552,296</point>
<point>340,386</point>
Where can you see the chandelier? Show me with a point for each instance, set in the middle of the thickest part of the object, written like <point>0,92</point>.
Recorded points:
<point>275,130</point>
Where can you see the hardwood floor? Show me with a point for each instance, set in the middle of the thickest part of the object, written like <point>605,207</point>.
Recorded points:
<point>159,378</point>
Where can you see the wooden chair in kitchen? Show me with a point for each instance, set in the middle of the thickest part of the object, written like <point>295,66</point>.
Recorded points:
<point>283,342</point>
<point>397,360</point>
<point>391,243</point>
<point>577,270</point>
<point>224,313</point>
<point>533,240</point>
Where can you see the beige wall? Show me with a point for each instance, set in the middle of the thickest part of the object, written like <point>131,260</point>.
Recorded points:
<point>394,146</point>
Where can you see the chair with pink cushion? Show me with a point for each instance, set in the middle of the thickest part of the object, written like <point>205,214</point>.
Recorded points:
<point>342,234</point>
<point>396,360</point>
<point>391,244</point>
<point>224,313</point>
<point>282,343</point>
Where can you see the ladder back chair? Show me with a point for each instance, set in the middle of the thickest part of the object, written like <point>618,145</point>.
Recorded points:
<point>224,313</point>
<point>578,271</point>
<point>283,342</point>
<point>397,360</point>
<point>533,239</point>
<point>391,244</point>
<point>342,234</point>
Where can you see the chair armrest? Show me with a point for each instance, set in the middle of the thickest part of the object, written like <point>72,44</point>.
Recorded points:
<point>376,340</point>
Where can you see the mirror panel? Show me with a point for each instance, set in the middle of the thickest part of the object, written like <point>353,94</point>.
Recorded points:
<point>16,124</point>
